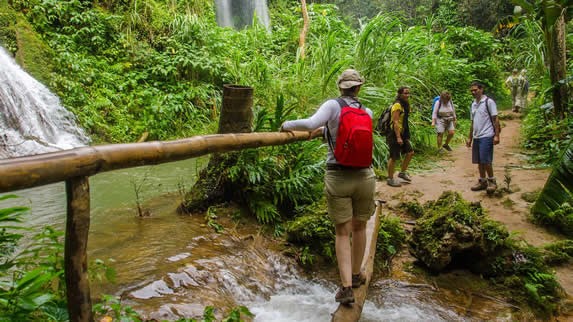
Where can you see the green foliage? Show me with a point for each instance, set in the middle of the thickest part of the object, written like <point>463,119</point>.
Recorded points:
<point>315,232</point>
<point>211,218</point>
<point>31,281</point>
<point>494,253</point>
<point>558,253</point>
<point>561,218</point>
<point>7,28</point>
<point>552,207</point>
<point>391,238</point>
<point>112,306</point>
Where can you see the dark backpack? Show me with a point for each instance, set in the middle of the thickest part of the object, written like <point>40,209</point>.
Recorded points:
<point>354,138</point>
<point>383,125</point>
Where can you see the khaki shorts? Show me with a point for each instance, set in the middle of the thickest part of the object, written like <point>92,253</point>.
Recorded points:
<point>444,124</point>
<point>350,193</point>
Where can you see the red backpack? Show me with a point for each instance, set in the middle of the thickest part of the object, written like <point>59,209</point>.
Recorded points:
<point>354,139</point>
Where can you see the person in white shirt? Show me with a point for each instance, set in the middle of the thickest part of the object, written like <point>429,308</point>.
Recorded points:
<point>484,134</point>
<point>444,119</point>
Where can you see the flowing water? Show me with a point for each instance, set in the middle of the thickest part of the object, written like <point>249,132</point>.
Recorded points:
<point>31,117</point>
<point>240,13</point>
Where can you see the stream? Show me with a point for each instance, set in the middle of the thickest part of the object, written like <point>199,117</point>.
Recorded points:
<point>170,266</point>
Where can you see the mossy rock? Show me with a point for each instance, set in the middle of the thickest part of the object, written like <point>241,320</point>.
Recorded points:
<point>21,40</point>
<point>33,54</point>
<point>315,231</point>
<point>451,229</point>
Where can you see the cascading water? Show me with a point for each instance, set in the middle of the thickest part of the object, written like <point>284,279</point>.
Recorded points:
<point>31,117</point>
<point>240,13</point>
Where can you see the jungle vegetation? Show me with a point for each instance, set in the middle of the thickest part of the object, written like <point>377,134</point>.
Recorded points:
<point>129,67</point>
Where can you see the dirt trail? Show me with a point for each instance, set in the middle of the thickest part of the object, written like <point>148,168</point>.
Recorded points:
<point>456,172</point>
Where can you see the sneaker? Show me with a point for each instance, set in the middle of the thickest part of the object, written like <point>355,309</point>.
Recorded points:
<point>393,183</point>
<point>481,185</point>
<point>491,186</point>
<point>447,147</point>
<point>405,176</point>
<point>358,280</point>
<point>344,295</point>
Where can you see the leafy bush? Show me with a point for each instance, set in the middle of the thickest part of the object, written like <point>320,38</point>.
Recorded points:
<point>31,281</point>
<point>391,238</point>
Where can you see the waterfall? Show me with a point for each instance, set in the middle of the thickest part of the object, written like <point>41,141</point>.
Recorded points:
<point>32,121</point>
<point>240,13</point>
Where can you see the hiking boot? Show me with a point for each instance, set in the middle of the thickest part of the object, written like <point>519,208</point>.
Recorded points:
<point>344,295</point>
<point>491,186</point>
<point>393,183</point>
<point>405,176</point>
<point>481,185</point>
<point>447,147</point>
<point>358,280</point>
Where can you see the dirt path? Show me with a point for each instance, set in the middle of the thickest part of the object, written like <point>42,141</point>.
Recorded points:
<point>456,172</point>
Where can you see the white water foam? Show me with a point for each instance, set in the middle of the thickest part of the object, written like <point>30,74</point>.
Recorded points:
<point>31,117</point>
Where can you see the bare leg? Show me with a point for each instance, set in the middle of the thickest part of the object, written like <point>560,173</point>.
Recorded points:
<point>391,165</point>
<point>481,169</point>
<point>449,137</point>
<point>406,161</point>
<point>488,168</point>
<point>358,244</point>
<point>343,252</point>
<point>439,139</point>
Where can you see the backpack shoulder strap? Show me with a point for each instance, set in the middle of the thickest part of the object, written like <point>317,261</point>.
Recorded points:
<point>489,113</point>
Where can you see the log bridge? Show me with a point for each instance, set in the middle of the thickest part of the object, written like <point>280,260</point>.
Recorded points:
<point>75,166</point>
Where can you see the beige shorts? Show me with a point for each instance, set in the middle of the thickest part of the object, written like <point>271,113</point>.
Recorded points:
<point>444,124</point>
<point>350,193</point>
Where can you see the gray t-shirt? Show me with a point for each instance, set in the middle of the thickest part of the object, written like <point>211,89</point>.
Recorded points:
<point>327,113</point>
<point>483,127</point>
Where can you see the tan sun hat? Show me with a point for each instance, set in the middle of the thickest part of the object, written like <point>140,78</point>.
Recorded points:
<point>349,78</point>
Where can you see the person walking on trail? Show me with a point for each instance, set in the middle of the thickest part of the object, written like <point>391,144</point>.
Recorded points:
<point>444,119</point>
<point>515,83</point>
<point>483,135</point>
<point>349,189</point>
<point>398,138</point>
<point>525,87</point>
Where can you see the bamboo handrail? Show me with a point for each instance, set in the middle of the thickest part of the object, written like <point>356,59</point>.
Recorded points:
<point>42,169</point>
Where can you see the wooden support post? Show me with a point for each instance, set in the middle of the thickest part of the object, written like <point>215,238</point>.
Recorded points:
<point>346,313</point>
<point>236,117</point>
<point>75,251</point>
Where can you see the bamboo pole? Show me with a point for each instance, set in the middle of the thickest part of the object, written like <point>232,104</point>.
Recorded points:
<point>75,250</point>
<point>304,31</point>
<point>42,169</point>
<point>346,313</point>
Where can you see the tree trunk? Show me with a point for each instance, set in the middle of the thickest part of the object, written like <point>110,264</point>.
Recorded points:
<point>303,32</point>
<point>555,37</point>
<point>236,117</point>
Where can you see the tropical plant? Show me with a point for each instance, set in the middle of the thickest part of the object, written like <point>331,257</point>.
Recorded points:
<point>31,280</point>
<point>557,191</point>
<point>552,14</point>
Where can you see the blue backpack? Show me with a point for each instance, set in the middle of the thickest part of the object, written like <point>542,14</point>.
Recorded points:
<point>434,103</point>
